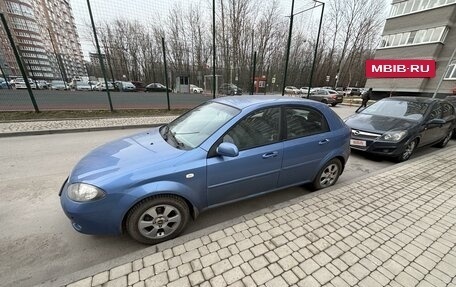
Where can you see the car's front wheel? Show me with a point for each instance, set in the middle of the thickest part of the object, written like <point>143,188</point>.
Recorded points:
<point>328,174</point>
<point>157,219</point>
<point>408,151</point>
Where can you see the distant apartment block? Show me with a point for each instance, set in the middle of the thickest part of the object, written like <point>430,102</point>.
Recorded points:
<point>95,58</point>
<point>46,37</point>
<point>419,29</point>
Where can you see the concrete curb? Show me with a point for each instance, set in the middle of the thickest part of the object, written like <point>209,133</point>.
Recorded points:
<point>76,130</point>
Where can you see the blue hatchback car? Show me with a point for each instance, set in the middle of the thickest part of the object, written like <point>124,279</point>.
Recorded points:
<point>231,148</point>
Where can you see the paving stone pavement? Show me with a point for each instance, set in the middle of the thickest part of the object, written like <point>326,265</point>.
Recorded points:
<point>395,228</point>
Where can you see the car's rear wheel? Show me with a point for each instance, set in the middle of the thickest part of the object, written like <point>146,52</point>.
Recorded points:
<point>328,174</point>
<point>445,141</point>
<point>408,151</point>
<point>157,219</point>
<point>324,101</point>
<point>333,104</point>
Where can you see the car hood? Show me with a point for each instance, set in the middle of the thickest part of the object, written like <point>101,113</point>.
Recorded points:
<point>378,124</point>
<point>124,156</point>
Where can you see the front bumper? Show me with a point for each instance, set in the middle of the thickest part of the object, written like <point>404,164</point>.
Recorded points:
<point>390,149</point>
<point>99,217</point>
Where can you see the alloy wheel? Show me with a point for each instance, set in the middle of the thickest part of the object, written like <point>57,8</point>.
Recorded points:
<point>329,175</point>
<point>159,221</point>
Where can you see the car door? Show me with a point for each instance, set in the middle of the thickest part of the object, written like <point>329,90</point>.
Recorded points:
<point>256,169</point>
<point>308,141</point>
<point>314,95</point>
<point>433,132</point>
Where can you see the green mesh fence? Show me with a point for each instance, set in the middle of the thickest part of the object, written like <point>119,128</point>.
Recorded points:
<point>58,50</point>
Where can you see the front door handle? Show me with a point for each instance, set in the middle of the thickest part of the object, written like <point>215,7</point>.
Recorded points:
<point>325,141</point>
<point>270,154</point>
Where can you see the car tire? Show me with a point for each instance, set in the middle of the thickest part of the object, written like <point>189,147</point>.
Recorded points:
<point>408,151</point>
<point>324,102</point>
<point>445,141</point>
<point>333,104</point>
<point>328,174</point>
<point>171,216</point>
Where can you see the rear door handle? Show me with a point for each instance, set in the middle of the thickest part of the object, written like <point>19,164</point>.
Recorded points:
<point>270,154</point>
<point>325,141</point>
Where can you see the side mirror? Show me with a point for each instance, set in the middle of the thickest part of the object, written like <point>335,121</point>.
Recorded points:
<point>227,149</point>
<point>436,122</point>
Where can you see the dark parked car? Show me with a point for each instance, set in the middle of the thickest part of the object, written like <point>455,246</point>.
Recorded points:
<point>349,91</point>
<point>396,126</point>
<point>156,87</point>
<point>140,86</point>
<point>229,89</point>
<point>326,96</point>
<point>228,149</point>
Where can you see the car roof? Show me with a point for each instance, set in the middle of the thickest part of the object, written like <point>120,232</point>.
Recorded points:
<point>246,101</point>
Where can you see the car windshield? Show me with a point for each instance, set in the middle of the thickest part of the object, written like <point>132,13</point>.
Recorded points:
<point>398,109</point>
<point>194,127</point>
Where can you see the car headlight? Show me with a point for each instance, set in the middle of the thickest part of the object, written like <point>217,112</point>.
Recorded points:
<point>84,192</point>
<point>394,136</point>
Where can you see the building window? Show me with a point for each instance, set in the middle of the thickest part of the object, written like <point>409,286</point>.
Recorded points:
<point>405,37</point>
<point>451,72</point>
<point>413,6</point>
<point>431,35</point>
<point>416,5</point>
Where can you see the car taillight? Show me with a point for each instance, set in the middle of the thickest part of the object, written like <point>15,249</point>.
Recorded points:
<point>334,96</point>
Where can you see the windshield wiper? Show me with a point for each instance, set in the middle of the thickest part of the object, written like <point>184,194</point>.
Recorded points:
<point>172,136</point>
<point>168,134</point>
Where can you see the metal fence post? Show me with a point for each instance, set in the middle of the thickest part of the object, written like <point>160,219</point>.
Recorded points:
<point>290,31</point>
<point>103,70</point>
<point>316,47</point>
<point>213,49</point>
<point>253,73</point>
<point>19,63</point>
<point>166,72</point>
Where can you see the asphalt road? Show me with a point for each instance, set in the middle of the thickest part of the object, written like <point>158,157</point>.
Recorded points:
<point>19,100</point>
<point>37,242</point>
